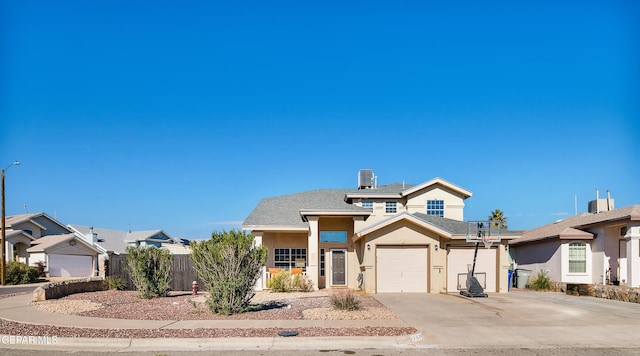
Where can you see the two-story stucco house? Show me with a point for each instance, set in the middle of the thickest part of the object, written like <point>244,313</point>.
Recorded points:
<point>389,238</point>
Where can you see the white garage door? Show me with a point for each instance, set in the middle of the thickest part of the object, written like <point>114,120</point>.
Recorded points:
<point>70,266</point>
<point>401,269</point>
<point>457,261</point>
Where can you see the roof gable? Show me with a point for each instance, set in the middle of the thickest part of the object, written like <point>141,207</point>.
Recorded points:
<point>49,242</point>
<point>438,181</point>
<point>404,216</point>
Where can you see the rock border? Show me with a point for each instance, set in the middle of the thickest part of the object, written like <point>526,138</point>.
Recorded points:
<point>61,289</point>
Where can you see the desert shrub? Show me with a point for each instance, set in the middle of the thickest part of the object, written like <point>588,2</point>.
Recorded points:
<point>285,282</point>
<point>280,282</point>
<point>115,283</point>
<point>229,266</point>
<point>40,268</point>
<point>150,270</point>
<point>541,283</point>
<point>302,283</point>
<point>345,301</point>
<point>19,273</point>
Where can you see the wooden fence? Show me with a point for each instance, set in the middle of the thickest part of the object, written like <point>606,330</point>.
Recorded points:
<point>183,272</point>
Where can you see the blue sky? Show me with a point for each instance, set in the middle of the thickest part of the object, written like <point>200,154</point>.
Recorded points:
<point>159,115</point>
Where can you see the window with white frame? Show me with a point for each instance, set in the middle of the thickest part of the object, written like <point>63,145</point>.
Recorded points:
<point>390,207</point>
<point>435,207</point>
<point>577,257</point>
<point>367,204</point>
<point>287,258</point>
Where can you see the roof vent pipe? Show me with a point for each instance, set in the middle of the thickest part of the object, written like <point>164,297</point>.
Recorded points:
<point>608,200</point>
<point>597,197</point>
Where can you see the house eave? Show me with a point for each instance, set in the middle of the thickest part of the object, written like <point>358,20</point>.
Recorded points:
<point>275,228</point>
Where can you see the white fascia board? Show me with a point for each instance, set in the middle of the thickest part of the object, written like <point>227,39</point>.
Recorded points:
<point>275,228</point>
<point>440,181</point>
<point>333,212</point>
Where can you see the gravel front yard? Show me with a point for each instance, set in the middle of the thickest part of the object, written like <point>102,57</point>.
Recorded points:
<point>183,306</point>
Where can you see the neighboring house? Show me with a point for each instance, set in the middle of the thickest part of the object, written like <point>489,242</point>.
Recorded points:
<point>115,241</point>
<point>597,247</point>
<point>33,238</point>
<point>391,238</point>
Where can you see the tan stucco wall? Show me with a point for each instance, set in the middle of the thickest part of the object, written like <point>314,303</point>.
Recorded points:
<point>404,233</point>
<point>282,240</point>
<point>453,202</point>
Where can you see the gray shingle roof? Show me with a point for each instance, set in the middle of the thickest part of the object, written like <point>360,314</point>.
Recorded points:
<point>285,210</point>
<point>456,227</point>
<point>580,221</point>
<point>110,240</point>
<point>393,188</point>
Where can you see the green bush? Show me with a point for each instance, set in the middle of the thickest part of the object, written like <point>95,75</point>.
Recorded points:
<point>150,270</point>
<point>345,301</point>
<point>115,283</point>
<point>19,273</point>
<point>229,266</point>
<point>541,282</point>
<point>40,268</point>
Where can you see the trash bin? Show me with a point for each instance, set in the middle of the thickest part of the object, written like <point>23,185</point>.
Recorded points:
<point>510,280</point>
<point>522,277</point>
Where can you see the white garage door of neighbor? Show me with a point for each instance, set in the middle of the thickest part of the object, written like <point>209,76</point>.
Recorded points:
<point>70,266</point>
<point>401,269</point>
<point>459,258</point>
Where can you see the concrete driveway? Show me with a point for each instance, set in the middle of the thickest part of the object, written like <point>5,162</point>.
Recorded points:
<point>517,319</point>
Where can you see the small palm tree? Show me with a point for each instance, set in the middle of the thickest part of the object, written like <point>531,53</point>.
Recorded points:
<point>498,215</point>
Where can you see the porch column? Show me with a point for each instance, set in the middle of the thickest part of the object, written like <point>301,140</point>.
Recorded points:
<point>633,256</point>
<point>312,248</point>
<point>257,241</point>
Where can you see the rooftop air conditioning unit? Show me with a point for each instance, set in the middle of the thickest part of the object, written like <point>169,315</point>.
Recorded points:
<point>365,178</point>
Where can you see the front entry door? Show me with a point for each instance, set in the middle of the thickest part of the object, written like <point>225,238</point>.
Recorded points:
<point>338,264</point>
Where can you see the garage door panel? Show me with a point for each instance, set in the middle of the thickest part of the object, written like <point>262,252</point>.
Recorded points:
<point>401,269</point>
<point>459,260</point>
<point>70,266</point>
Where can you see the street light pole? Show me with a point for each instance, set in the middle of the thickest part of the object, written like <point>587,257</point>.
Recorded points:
<point>4,217</point>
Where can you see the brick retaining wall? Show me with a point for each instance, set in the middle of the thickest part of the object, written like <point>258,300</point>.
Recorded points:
<point>64,288</point>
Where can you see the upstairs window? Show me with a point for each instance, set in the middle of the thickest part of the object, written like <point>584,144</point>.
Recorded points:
<point>577,257</point>
<point>367,204</point>
<point>390,207</point>
<point>435,207</point>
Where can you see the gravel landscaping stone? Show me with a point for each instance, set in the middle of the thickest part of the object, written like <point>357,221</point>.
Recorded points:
<point>184,306</point>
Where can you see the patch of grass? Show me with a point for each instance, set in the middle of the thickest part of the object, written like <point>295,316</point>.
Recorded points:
<point>345,301</point>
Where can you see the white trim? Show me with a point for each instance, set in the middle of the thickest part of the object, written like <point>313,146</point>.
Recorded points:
<point>402,216</point>
<point>275,228</point>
